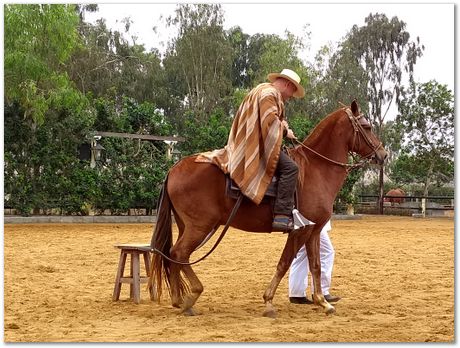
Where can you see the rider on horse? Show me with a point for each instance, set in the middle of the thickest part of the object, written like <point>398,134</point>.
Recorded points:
<point>253,153</point>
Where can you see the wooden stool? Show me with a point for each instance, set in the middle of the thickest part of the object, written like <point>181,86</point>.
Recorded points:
<point>135,279</point>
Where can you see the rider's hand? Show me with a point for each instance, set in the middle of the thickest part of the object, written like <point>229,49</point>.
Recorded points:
<point>290,134</point>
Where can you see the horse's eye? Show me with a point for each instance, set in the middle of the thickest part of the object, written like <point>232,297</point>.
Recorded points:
<point>365,123</point>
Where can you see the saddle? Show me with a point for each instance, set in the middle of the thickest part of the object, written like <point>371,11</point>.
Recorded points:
<point>233,191</point>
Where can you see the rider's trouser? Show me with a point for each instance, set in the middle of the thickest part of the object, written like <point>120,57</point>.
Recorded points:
<point>287,171</point>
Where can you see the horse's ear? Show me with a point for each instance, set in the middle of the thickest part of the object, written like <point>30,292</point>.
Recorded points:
<point>354,107</point>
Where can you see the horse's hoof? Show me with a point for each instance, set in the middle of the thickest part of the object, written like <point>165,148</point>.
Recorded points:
<point>330,311</point>
<point>189,312</point>
<point>270,313</point>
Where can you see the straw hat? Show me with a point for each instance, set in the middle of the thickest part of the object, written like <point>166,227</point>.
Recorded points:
<point>291,76</point>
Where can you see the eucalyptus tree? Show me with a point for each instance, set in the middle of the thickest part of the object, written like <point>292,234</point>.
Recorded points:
<point>271,53</point>
<point>383,48</point>
<point>427,118</point>
<point>198,62</point>
<point>340,81</point>
<point>109,66</point>
<point>240,53</point>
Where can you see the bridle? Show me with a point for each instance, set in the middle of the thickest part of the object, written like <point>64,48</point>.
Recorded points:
<point>358,130</point>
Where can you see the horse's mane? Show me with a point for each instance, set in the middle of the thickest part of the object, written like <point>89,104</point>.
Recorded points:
<point>298,153</point>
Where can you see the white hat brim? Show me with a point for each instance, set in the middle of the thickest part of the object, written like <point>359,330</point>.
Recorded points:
<point>300,91</point>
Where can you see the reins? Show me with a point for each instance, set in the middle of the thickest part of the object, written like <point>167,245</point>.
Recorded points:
<point>358,128</point>
<point>224,231</point>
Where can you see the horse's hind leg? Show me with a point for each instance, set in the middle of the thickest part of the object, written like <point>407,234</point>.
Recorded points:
<point>174,278</point>
<point>184,296</point>
<point>196,288</point>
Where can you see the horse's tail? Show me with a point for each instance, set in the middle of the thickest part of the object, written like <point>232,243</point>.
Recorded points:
<point>161,241</point>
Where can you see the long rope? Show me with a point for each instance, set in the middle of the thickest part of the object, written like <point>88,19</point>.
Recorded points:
<point>224,231</point>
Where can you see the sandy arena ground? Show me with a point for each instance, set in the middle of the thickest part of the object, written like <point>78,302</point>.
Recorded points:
<point>395,276</point>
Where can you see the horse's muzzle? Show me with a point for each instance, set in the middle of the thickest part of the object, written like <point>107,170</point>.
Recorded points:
<point>379,157</point>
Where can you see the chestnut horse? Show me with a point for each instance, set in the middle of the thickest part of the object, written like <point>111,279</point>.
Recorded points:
<point>395,196</point>
<point>195,192</point>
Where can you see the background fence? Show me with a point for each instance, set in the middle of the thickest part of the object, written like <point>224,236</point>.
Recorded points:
<point>366,204</point>
<point>407,205</point>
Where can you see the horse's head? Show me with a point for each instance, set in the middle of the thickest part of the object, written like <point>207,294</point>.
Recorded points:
<point>364,142</point>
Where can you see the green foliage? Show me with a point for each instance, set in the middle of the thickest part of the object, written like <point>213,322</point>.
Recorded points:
<point>383,48</point>
<point>38,41</point>
<point>199,59</point>
<point>427,118</point>
<point>239,42</point>
<point>422,169</point>
<point>130,175</point>
<point>275,54</point>
<point>347,194</point>
<point>41,162</point>
<point>427,115</point>
<point>108,66</point>
<point>339,78</point>
<point>205,136</point>
<point>302,126</point>
<point>132,171</point>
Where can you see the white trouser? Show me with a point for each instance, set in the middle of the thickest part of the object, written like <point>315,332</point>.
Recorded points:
<point>298,273</point>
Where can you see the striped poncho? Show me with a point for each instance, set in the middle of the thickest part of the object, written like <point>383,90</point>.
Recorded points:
<point>254,143</point>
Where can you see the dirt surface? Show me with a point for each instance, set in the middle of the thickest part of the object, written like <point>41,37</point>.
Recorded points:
<point>395,276</point>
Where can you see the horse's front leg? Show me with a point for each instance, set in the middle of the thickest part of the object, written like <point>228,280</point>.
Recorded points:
<point>314,261</point>
<point>293,244</point>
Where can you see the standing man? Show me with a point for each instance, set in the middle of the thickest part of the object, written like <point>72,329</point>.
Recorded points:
<point>298,273</point>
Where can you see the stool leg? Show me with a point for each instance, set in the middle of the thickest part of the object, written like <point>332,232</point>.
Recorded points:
<point>120,271</point>
<point>131,285</point>
<point>136,277</point>
<point>147,270</point>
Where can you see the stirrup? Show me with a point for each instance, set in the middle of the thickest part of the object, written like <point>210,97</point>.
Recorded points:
<point>282,224</point>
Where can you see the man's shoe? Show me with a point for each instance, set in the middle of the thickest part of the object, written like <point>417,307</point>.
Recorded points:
<point>300,300</point>
<point>331,298</point>
<point>282,223</point>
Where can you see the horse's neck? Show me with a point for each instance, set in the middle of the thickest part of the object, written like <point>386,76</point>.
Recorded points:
<point>328,140</point>
<point>321,173</point>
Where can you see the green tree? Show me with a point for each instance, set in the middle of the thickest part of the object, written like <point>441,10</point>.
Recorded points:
<point>42,169</point>
<point>46,117</point>
<point>132,171</point>
<point>384,49</point>
<point>271,53</point>
<point>108,66</point>
<point>39,39</point>
<point>427,117</point>
<point>239,42</point>
<point>205,135</point>
<point>198,62</point>
<point>339,79</point>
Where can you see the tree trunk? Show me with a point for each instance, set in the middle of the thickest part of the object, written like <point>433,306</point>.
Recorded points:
<point>427,179</point>
<point>381,191</point>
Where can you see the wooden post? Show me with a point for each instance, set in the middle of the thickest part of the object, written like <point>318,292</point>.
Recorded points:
<point>381,191</point>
